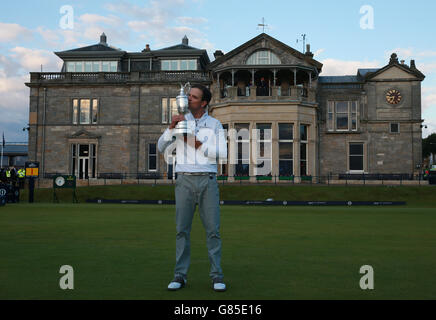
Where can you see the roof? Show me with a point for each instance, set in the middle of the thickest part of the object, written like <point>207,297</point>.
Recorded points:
<point>338,79</point>
<point>364,72</point>
<point>94,47</point>
<point>180,46</point>
<point>247,44</point>
<point>15,149</point>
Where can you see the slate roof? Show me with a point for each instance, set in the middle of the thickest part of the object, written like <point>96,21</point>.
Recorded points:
<point>338,79</point>
<point>11,149</point>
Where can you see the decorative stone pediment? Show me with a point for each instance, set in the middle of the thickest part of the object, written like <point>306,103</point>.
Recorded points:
<point>83,134</point>
<point>286,54</point>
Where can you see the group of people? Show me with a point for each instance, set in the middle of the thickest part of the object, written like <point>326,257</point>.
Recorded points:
<point>12,176</point>
<point>262,89</point>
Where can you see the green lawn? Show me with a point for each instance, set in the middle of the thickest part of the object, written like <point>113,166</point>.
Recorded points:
<point>128,252</point>
<point>416,196</point>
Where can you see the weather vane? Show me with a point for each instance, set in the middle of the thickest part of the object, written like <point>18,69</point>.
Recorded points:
<point>303,36</point>
<point>263,25</point>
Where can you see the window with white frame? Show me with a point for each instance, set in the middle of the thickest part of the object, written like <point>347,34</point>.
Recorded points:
<point>286,149</point>
<point>303,149</point>
<point>85,111</point>
<point>263,57</point>
<point>152,157</point>
<point>356,157</point>
<point>263,149</point>
<point>169,109</point>
<point>342,115</point>
<point>242,167</point>
<point>179,65</point>
<point>92,66</point>
<point>84,160</point>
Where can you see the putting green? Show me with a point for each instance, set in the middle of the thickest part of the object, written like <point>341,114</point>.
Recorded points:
<point>128,252</point>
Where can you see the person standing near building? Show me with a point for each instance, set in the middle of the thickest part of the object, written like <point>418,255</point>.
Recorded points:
<point>21,176</point>
<point>196,183</point>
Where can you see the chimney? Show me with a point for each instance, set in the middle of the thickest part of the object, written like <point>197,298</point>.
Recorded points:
<point>412,64</point>
<point>218,53</point>
<point>308,53</point>
<point>185,40</point>
<point>103,39</point>
<point>394,59</point>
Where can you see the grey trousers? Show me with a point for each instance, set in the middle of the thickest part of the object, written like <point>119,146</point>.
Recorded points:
<point>190,191</point>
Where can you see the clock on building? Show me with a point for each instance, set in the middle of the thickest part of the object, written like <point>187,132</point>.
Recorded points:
<point>393,96</point>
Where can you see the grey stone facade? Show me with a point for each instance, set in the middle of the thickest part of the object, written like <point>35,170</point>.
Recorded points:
<point>129,116</point>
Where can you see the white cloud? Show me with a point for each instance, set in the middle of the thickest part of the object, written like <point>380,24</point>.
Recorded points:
<point>13,31</point>
<point>335,67</point>
<point>428,98</point>
<point>191,20</point>
<point>318,53</point>
<point>32,59</point>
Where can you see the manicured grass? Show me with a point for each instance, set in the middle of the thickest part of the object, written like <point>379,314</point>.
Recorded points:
<point>422,196</point>
<point>128,252</point>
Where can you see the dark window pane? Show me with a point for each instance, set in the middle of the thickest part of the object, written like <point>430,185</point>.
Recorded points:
<point>286,168</point>
<point>303,133</point>
<point>84,150</point>
<point>152,148</point>
<point>356,149</point>
<point>394,127</point>
<point>242,169</point>
<point>356,162</point>
<point>303,168</point>
<point>342,106</point>
<point>285,150</point>
<point>342,121</point>
<point>152,163</point>
<point>303,149</point>
<point>286,131</point>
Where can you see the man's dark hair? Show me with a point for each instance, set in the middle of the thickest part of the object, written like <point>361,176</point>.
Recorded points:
<point>206,96</point>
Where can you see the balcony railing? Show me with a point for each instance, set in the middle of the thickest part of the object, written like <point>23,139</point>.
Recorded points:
<point>92,77</point>
<point>235,94</point>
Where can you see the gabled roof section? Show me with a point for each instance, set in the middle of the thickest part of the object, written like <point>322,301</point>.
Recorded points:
<point>393,63</point>
<point>100,49</point>
<point>258,38</point>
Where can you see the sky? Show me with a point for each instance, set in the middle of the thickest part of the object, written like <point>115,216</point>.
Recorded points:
<point>344,35</point>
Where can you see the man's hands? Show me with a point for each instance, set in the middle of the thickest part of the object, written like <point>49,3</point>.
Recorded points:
<point>176,119</point>
<point>192,141</point>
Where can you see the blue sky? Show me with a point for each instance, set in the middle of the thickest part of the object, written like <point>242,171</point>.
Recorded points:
<point>30,31</point>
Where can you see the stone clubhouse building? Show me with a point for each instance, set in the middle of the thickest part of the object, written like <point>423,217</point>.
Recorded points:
<point>102,115</point>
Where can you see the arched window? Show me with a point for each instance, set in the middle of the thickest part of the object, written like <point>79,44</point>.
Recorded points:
<point>263,57</point>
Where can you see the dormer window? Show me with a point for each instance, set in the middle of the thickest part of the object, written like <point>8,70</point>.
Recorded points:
<point>263,57</point>
<point>178,65</point>
<point>92,66</point>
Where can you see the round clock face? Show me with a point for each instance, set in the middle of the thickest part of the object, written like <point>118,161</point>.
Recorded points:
<point>393,96</point>
<point>60,181</point>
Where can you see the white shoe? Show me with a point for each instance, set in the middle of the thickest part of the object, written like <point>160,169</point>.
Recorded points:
<point>219,285</point>
<point>176,284</point>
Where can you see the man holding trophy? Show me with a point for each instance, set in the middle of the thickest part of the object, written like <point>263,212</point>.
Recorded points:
<point>200,142</point>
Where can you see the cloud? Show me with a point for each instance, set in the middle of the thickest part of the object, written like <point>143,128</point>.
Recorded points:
<point>428,98</point>
<point>191,20</point>
<point>32,59</point>
<point>318,53</point>
<point>12,31</point>
<point>335,67</point>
